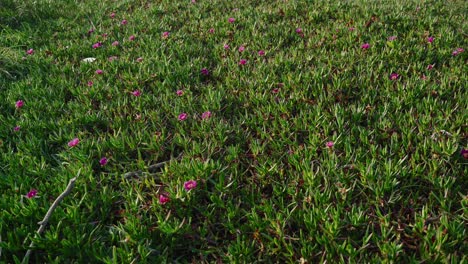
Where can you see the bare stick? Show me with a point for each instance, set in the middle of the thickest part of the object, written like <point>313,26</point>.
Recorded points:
<point>44,221</point>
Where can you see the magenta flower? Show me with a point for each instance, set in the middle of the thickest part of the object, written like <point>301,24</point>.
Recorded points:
<point>99,72</point>
<point>165,35</point>
<point>211,30</point>
<point>112,58</point>
<point>205,71</point>
<point>136,93</point>
<point>365,46</point>
<point>430,39</point>
<point>16,128</point>
<point>430,66</point>
<point>457,51</point>
<point>30,52</point>
<point>112,15</point>
<point>90,31</point>
<point>351,29</point>
<point>131,38</point>
<point>464,153</point>
<point>31,194</point>
<point>19,104</point>
<point>298,30</point>
<point>275,90</point>
<point>90,83</point>
<point>226,46</point>
<point>242,62</point>
<point>163,199</point>
<point>231,20</point>
<point>189,185</point>
<point>329,144</point>
<point>241,49</point>
<point>73,142</point>
<point>139,59</point>
<point>115,43</point>
<point>206,115</point>
<point>261,53</point>
<point>103,161</point>
<point>97,45</point>
<point>423,77</point>
<point>394,76</point>
<point>105,35</point>
<point>124,22</point>
<point>180,92</point>
<point>182,117</point>
<point>392,38</point>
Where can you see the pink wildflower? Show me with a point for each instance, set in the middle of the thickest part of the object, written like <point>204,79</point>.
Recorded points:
<point>19,104</point>
<point>165,35</point>
<point>180,92</point>
<point>205,71</point>
<point>392,38</point>
<point>112,58</point>
<point>97,45</point>
<point>189,185</point>
<point>90,83</point>
<point>206,115</point>
<point>457,51</point>
<point>163,199</point>
<point>73,142</point>
<point>30,52</point>
<point>394,76</point>
<point>16,128</point>
<point>182,117</point>
<point>112,15</point>
<point>136,93</point>
<point>464,153</point>
<point>139,59</point>
<point>103,161</point>
<point>241,49</point>
<point>99,72</point>
<point>242,62</point>
<point>365,46</point>
<point>430,66</point>
<point>226,46</point>
<point>430,39</point>
<point>261,53</point>
<point>124,22</point>
<point>275,90</point>
<point>115,43</point>
<point>351,29</point>
<point>31,194</point>
<point>298,30</point>
<point>211,30</point>
<point>329,144</point>
<point>231,20</point>
<point>131,38</point>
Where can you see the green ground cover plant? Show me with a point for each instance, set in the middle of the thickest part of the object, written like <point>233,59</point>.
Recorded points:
<point>234,131</point>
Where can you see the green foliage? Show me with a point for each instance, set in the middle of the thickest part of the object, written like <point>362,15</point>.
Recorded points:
<point>391,189</point>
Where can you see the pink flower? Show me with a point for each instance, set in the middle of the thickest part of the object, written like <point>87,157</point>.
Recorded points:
<point>189,185</point>
<point>97,45</point>
<point>90,83</point>
<point>351,29</point>
<point>99,72</point>
<point>394,76</point>
<point>392,38</point>
<point>261,53</point>
<point>31,194</point>
<point>242,62</point>
<point>275,90</point>
<point>17,128</point>
<point>165,35</point>
<point>205,71</point>
<point>298,30</point>
<point>112,15</point>
<point>131,38</point>
<point>124,22</point>
<point>103,161</point>
<point>231,20</point>
<point>180,92</point>
<point>73,142</point>
<point>430,66</point>
<point>30,52</point>
<point>112,58</point>
<point>212,30</point>
<point>241,48</point>
<point>330,144</point>
<point>365,46</point>
<point>115,43</point>
<point>139,59</point>
<point>105,35</point>
<point>163,199</point>
<point>136,93</point>
<point>182,117</point>
<point>464,153</point>
<point>90,31</point>
<point>19,104</point>
<point>423,77</point>
<point>206,115</point>
<point>457,51</point>
<point>430,39</point>
<point>226,46</point>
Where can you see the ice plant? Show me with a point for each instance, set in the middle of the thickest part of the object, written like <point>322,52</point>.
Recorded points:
<point>231,20</point>
<point>189,185</point>
<point>19,104</point>
<point>136,93</point>
<point>182,116</point>
<point>275,90</point>
<point>165,35</point>
<point>139,59</point>
<point>112,15</point>
<point>212,30</point>
<point>298,30</point>
<point>103,161</point>
<point>131,38</point>
<point>394,76</point>
<point>351,29</point>
<point>242,62</point>
<point>180,92</point>
<point>90,83</point>
<point>430,39</point>
<point>206,115</point>
<point>31,194</point>
<point>226,46</point>
<point>457,51</point>
<point>205,71</point>
<point>365,46</point>
<point>163,199</point>
<point>97,45</point>
<point>115,43</point>
<point>329,144</point>
<point>464,153</point>
<point>99,72</point>
<point>30,52</point>
<point>392,38</point>
<point>124,22</point>
<point>261,53</point>
<point>17,128</point>
<point>241,49</point>
<point>112,58</point>
<point>430,66</point>
<point>73,142</point>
